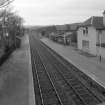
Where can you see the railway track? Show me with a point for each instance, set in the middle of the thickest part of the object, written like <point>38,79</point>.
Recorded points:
<point>45,91</point>
<point>68,88</point>
<point>96,88</point>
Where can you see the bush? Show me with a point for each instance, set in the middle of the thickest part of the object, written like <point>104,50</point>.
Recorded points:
<point>6,54</point>
<point>7,48</point>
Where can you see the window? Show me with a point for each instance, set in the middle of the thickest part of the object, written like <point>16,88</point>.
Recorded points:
<point>85,31</point>
<point>85,44</point>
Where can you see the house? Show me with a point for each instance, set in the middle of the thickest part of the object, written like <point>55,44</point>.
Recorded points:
<point>91,35</point>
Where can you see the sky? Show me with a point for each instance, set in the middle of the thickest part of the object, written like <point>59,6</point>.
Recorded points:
<point>52,12</point>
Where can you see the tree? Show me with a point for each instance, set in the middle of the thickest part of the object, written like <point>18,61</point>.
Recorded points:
<point>4,3</point>
<point>12,27</point>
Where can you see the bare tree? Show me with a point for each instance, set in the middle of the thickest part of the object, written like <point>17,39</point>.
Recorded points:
<point>4,3</point>
<point>11,27</point>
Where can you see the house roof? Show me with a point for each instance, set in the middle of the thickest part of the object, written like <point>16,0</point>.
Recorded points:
<point>94,21</point>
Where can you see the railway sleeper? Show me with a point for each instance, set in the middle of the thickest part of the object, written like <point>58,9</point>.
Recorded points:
<point>86,97</point>
<point>77,100</point>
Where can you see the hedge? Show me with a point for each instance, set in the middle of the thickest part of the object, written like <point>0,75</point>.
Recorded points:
<point>6,55</point>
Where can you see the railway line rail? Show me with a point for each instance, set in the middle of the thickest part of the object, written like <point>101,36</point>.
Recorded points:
<point>56,82</point>
<point>86,80</point>
<point>45,92</point>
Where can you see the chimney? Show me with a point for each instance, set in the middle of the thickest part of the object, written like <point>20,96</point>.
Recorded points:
<point>104,17</point>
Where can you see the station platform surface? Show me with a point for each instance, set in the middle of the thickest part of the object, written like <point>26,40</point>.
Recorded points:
<point>90,65</point>
<point>102,104</point>
<point>16,80</point>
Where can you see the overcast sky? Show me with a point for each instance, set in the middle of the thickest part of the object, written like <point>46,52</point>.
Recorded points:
<point>50,12</point>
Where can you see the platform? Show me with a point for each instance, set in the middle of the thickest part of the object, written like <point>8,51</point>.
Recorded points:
<point>16,82</point>
<point>90,65</point>
<point>102,104</point>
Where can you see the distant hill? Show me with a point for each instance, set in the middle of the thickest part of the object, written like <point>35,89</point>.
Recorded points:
<point>33,27</point>
<point>72,27</point>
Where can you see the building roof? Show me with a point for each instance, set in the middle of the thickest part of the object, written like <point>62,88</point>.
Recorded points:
<point>94,21</point>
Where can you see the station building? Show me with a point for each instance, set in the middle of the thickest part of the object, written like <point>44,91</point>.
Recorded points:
<point>91,35</point>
